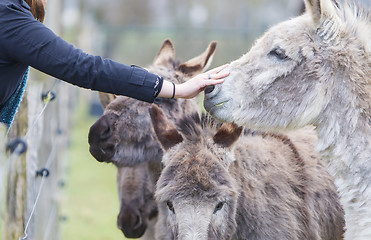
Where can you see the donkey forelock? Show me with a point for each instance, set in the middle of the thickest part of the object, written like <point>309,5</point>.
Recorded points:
<point>193,127</point>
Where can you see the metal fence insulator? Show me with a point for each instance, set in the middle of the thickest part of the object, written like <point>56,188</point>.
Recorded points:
<point>42,173</point>
<point>48,96</point>
<point>17,145</point>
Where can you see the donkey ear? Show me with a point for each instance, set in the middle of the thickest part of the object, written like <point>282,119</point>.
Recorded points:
<point>165,131</point>
<point>313,7</point>
<point>320,9</point>
<point>166,53</point>
<point>227,134</point>
<point>199,64</point>
<point>106,98</point>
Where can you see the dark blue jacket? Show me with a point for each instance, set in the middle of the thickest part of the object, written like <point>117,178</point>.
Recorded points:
<point>25,41</point>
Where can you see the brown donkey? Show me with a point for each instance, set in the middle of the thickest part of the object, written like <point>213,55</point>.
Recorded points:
<point>218,185</point>
<point>313,69</point>
<point>124,136</point>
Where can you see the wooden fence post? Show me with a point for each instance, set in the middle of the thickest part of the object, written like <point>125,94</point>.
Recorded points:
<point>35,136</point>
<point>15,201</point>
<point>3,169</point>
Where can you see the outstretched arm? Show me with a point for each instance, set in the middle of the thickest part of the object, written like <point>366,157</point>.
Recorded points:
<point>194,86</point>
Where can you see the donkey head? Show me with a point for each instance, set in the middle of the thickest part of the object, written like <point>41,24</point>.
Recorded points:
<point>297,69</point>
<point>136,186</point>
<point>196,195</point>
<point>124,135</point>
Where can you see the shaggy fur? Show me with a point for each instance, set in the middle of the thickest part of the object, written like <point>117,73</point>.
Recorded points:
<point>124,136</point>
<point>313,69</point>
<point>260,186</point>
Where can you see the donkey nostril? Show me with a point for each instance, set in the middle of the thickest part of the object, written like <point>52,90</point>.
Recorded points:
<point>209,89</point>
<point>137,222</point>
<point>106,133</point>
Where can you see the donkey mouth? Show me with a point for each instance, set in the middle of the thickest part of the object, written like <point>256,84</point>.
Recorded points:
<point>210,106</point>
<point>134,233</point>
<point>100,154</point>
<point>221,104</point>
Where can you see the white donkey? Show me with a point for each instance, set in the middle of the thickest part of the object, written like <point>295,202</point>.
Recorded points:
<point>313,69</point>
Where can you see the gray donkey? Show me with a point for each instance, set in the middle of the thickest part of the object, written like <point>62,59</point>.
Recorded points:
<point>124,136</point>
<point>313,69</point>
<point>218,185</point>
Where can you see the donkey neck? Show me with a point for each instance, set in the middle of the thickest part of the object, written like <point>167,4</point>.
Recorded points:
<point>344,132</point>
<point>346,148</point>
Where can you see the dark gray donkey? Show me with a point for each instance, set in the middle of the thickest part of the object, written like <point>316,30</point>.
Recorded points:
<point>124,136</point>
<point>217,184</point>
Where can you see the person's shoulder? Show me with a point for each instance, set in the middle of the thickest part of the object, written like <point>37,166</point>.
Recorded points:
<point>14,9</point>
<point>14,4</point>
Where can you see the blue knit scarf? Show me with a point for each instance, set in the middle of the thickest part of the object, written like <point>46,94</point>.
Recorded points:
<point>8,111</point>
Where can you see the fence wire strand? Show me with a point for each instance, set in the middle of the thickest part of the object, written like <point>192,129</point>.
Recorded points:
<point>43,177</point>
<point>8,164</point>
<point>16,153</point>
<point>46,103</point>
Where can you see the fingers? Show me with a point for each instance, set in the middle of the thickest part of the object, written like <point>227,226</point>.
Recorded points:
<point>216,76</point>
<point>220,75</point>
<point>217,69</point>
<point>210,82</point>
<point>217,73</point>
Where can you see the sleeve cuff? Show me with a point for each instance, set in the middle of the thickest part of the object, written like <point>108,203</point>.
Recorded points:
<point>147,85</point>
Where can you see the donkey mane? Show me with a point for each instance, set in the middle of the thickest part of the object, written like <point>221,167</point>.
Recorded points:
<point>193,126</point>
<point>351,13</point>
<point>352,20</point>
<point>355,20</point>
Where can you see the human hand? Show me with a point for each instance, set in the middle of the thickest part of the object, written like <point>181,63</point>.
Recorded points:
<point>197,84</point>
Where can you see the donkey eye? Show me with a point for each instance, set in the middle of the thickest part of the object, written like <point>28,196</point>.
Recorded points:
<point>218,207</point>
<point>278,53</point>
<point>170,206</point>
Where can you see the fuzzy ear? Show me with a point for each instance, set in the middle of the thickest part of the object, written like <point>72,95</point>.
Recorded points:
<point>165,131</point>
<point>227,134</point>
<point>106,98</point>
<point>325,17</point>
<point>165,55</point>
<point>314,8</point>
<point>321,9</point>
<point>199,64</point>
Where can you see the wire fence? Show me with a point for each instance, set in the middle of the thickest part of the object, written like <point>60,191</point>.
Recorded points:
<point>32,163</point>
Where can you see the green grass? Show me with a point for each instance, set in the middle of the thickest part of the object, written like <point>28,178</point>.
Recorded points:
<point>90,200</point>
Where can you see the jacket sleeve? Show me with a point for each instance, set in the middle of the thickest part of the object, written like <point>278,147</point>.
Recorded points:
<point>31,43</point>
